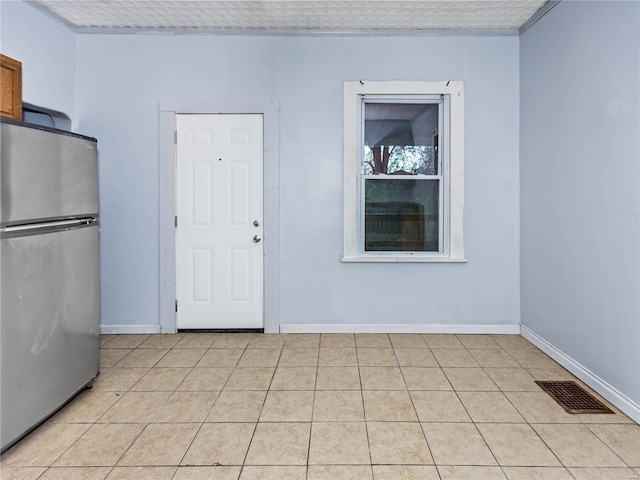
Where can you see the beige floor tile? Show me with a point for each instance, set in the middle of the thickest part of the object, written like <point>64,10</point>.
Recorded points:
<point>577,446</point>
<point>147,357</point>
<point>388,406</point>
<point>302,340</point>
<point>470,379</point>
<point>512,379</point>
<point>425,378</point>
<point>197,340</point>
<point>135,407</point>
<point>491,357</point>
<point>267,340</point>
<point>339,472</point>
<point>604,474</point>
<point>259,357</point>
<point>595,418</point>
<point>376,357</point>
<point>288,406</point>
<point>457,444</point>
<point>539,407</point>
<point>182,357</point>
<point>339,443</point>
<point>126,341</point>
<point>337,340</point>
<point>396,443</point>
<point>141,473</point>
<point>490,407</point>
<point>21,473</point>
<point>291,448</point>
<point>439,407</point>
<point>299,357</point>
<point>403,340</point>
<point>220,357</point>
<point>44,445</point>
<point>111,356</point>
<point>338,406</point>
<point>555,373</point>
<point>105,338</point>
<point>517,445</point>
<point>624,440</point>
<point>442,341</point>
<point>206,379</point>
<point>161,380</point>
<point>405,472</point>
<point>415,357</point>
<point>220,443</point>
<point>237,406</point>
<point>477,341</point>
<point>273,473</point>
<point>207,473</point>
<point>294,378</point>
<point>87,407</point>
<point>102,445</point>
<point>185,407</point>
<point>250,379</point>
<point>118,379</point>
<point>232,340</point>
<point>373,340</point>
<point>162,340</point>
<point>452,472</point>
<point>454,357</point>
<point>338,378</point>
<point>75,473</point>
<point>160,444</point>
<point>382,378</point>
<point>530,358</point>
<point>338,357</point>
<point>537,473</point>
<point>511,342</point>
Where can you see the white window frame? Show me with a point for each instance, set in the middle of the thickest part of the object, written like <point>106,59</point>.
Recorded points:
<point>452,249</point>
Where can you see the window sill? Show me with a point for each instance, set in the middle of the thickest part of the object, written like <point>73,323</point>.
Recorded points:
<point>407,259</point>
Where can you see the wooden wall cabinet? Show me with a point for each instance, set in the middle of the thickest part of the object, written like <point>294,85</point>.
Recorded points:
<point>10,88</point>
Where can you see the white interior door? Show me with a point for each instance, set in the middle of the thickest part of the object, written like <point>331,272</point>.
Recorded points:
<point>219,205</point>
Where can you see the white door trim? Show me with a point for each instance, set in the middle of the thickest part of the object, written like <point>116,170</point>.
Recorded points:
<point>269,108</point>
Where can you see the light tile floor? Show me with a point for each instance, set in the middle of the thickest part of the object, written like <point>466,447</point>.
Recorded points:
<point>324,407</point>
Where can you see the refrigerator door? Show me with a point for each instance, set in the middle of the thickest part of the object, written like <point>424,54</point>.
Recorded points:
<point>46,174</point>
<point>49,324</point>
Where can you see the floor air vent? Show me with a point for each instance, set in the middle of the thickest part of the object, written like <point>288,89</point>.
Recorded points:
<point>573,398</point>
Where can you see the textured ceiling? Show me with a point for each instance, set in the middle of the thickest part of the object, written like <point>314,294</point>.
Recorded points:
<point>318,15</point>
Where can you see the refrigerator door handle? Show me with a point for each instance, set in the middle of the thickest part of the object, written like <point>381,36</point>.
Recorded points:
<point>44,227</point>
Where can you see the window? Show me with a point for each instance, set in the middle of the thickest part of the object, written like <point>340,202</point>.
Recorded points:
<point>403,171</point>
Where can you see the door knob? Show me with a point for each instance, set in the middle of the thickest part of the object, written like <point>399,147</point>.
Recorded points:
<point>256,223</point>
<point>256,238</point>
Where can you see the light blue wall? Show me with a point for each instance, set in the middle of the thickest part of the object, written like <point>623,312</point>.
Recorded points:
<point>121,79</point>
<point>47,50</point>
<point>580,186</point>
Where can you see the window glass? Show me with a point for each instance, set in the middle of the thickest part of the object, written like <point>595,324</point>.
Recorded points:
<point>401,215</point>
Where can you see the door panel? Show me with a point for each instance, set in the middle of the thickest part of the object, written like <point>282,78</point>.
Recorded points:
<point>219,169</point>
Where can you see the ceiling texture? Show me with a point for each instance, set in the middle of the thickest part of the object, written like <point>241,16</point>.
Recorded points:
<point>296,16</point>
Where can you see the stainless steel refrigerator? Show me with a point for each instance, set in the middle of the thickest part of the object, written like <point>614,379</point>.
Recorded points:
<point>49,262</point>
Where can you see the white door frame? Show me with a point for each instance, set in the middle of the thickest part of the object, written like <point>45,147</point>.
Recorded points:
<point>269,108</point>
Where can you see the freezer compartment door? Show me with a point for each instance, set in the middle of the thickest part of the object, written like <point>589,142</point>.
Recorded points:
<point>46,175</point>
<point>49,325</point>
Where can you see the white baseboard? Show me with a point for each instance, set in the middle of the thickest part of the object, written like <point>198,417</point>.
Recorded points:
<point>124,329</point>
<point>618,399</point>
<point>512,329</point>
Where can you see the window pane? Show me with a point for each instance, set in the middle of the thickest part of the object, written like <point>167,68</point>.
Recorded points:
<point>401,215</point>
<point>400,138</point>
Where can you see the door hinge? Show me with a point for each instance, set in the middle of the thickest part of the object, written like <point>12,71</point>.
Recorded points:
<point>175,136</point>
<point>176,305</point>
<point>176,221</point>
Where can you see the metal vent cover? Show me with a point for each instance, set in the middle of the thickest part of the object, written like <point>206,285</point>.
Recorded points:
<point>572,397</point>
